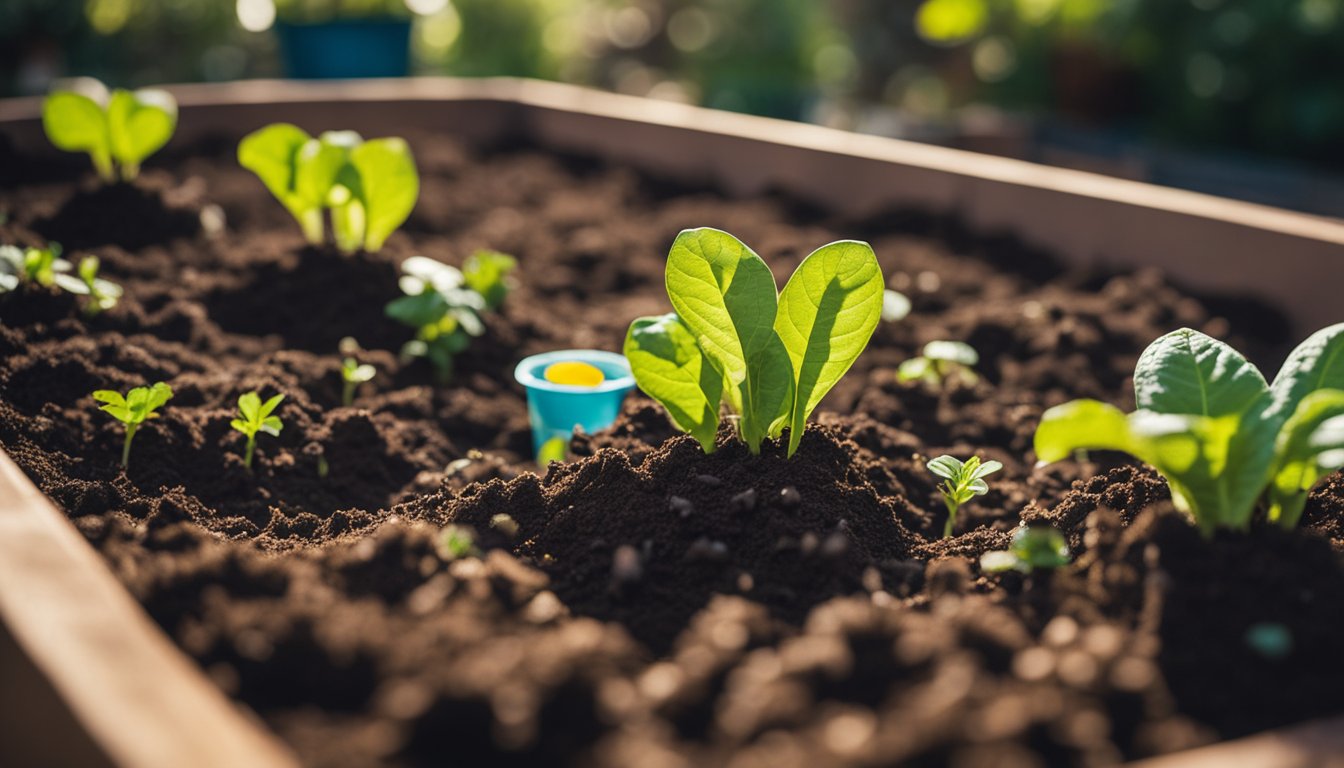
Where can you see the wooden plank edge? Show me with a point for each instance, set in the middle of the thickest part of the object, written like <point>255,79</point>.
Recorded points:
<point>140,698</point>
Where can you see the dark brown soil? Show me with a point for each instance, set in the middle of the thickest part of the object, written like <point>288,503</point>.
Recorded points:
<point>655,605</point>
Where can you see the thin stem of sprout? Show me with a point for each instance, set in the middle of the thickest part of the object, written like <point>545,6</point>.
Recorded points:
<point>126,446</point>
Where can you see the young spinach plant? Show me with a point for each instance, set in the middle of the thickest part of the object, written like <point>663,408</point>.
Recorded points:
<point>962,481</point>
<point>942,361</point>
<point>116,129</point>
<point>369,187</point>
<point>446,305</point>
<point>771,354</point>
<point>1227,442</point>
<point>135,408</point>
<point>44,267</point>
<point>255,416</point>
<point>1034,545</point>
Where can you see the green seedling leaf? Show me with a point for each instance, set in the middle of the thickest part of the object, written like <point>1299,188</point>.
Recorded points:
<point>255,416</point>
<point>273,154</point>
<point>76,121</point>
<point>444,311</point>
<point>827,314</point>
<point>670,367</point>
<point>941,361</point>
<point>1317,363</point>
<point>1307,449</point>
<point>1033,546</point>
<point>139,123</point>
<point>389,186</point>
<point>962,481</point>
<point>725,295</point>
<point>135,408</point>
<point>11,267</point>
<point>353,373</point>
<point>456,542</point>
<point>487,273</point>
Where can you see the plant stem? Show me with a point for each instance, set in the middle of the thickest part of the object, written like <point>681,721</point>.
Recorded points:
<point>313,228</point>
<point>348,394</point>
<point>247,455</point>
<point>951,517</point>
<point>126,447</point>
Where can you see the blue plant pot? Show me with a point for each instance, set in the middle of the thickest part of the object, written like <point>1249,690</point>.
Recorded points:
<point>554,410</point>
<point>346,49</point>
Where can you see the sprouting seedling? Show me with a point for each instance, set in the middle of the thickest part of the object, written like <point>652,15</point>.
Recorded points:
<point>255,416</point>
<point>1034,545</point>
<point>445,311</point>
<point>1227,442</point>
<point>489,273</point>
<point>456,542</point>
<point>369,187</point>
<point>44,267</point>
<point>354,373</point>
<point>138,406</point>
<point>772,355</point>
<point>102,294</point>
<point>962,481</point>
<point>941,361</point>
<point>120,128</point>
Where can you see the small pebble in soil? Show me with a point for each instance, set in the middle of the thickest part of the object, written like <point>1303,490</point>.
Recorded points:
<point>789,497</point>
<point>744,501</point>
<point>683,507</point>
<point>505,524</point>
<point>705,549</point>
<point>626,568</point>
<point>709,480</point>
<point>835,545</point>
<point>745,582</point>
<point>808,543</point>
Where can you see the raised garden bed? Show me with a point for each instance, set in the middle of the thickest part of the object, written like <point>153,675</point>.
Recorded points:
<point>656,604</point>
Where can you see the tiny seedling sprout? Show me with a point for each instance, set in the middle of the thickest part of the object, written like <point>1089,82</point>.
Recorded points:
<point>255,416</point>
<point>941,361</point>
<point>457,542</point>
<point>1034,545</point>
<point>120,128</point>
<point>354,373</point>
<point>445,305</point>
<point>136,407</point>
<point>962,481</point>
<point>45,267</point>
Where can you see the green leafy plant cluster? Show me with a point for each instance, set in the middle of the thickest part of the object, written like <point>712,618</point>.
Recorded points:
<point>1032,546</point>
<point>116,129</point>
<point>368,187</point>
<point>1227,442</point>
<point>445,305</point>
<point>734,337</point>
<point>941,362</point>
<point>255,416</point>
<point>45,267</point>
<point>962,481</point>
<point>135,408</point>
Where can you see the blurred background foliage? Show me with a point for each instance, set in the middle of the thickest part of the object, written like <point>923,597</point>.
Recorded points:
<point>1113,85</point>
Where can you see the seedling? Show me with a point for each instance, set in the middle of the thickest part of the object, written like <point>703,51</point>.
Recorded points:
<point>445,311</point>
<point>138,406</point>
<point>255,416</point>
<point>457,542</point>
<point>102,294</point>
<point>1033,546</point>
<point>942,361</point>
<point>1227,442</point>
<point>772,355</point>
<point>354,373</point>
<point>962,481</point>
<point>120,128</point>
<point>369,187</point>
<point>489,273</point>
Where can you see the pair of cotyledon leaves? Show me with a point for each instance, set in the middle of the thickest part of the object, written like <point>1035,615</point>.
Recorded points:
<point>1224,438</point>
<point>773,355</point>
<point>121,126</point>
<point>369,186</point>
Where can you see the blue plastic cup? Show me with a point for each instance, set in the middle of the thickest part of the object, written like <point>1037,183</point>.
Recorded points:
<point>555,410</point>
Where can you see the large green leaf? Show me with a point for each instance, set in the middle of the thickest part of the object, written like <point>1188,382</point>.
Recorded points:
<point>1082,425</point>
<point>75,122</point>
<point>827,313</point>
<point>1317,363</point>
<point>389,187</point>
<point>671,368</point>
<point>272,153</point>
<point>1298,454</point>
<point>1188,372</point>
<point>139,124</point>
<point>726,296</point>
